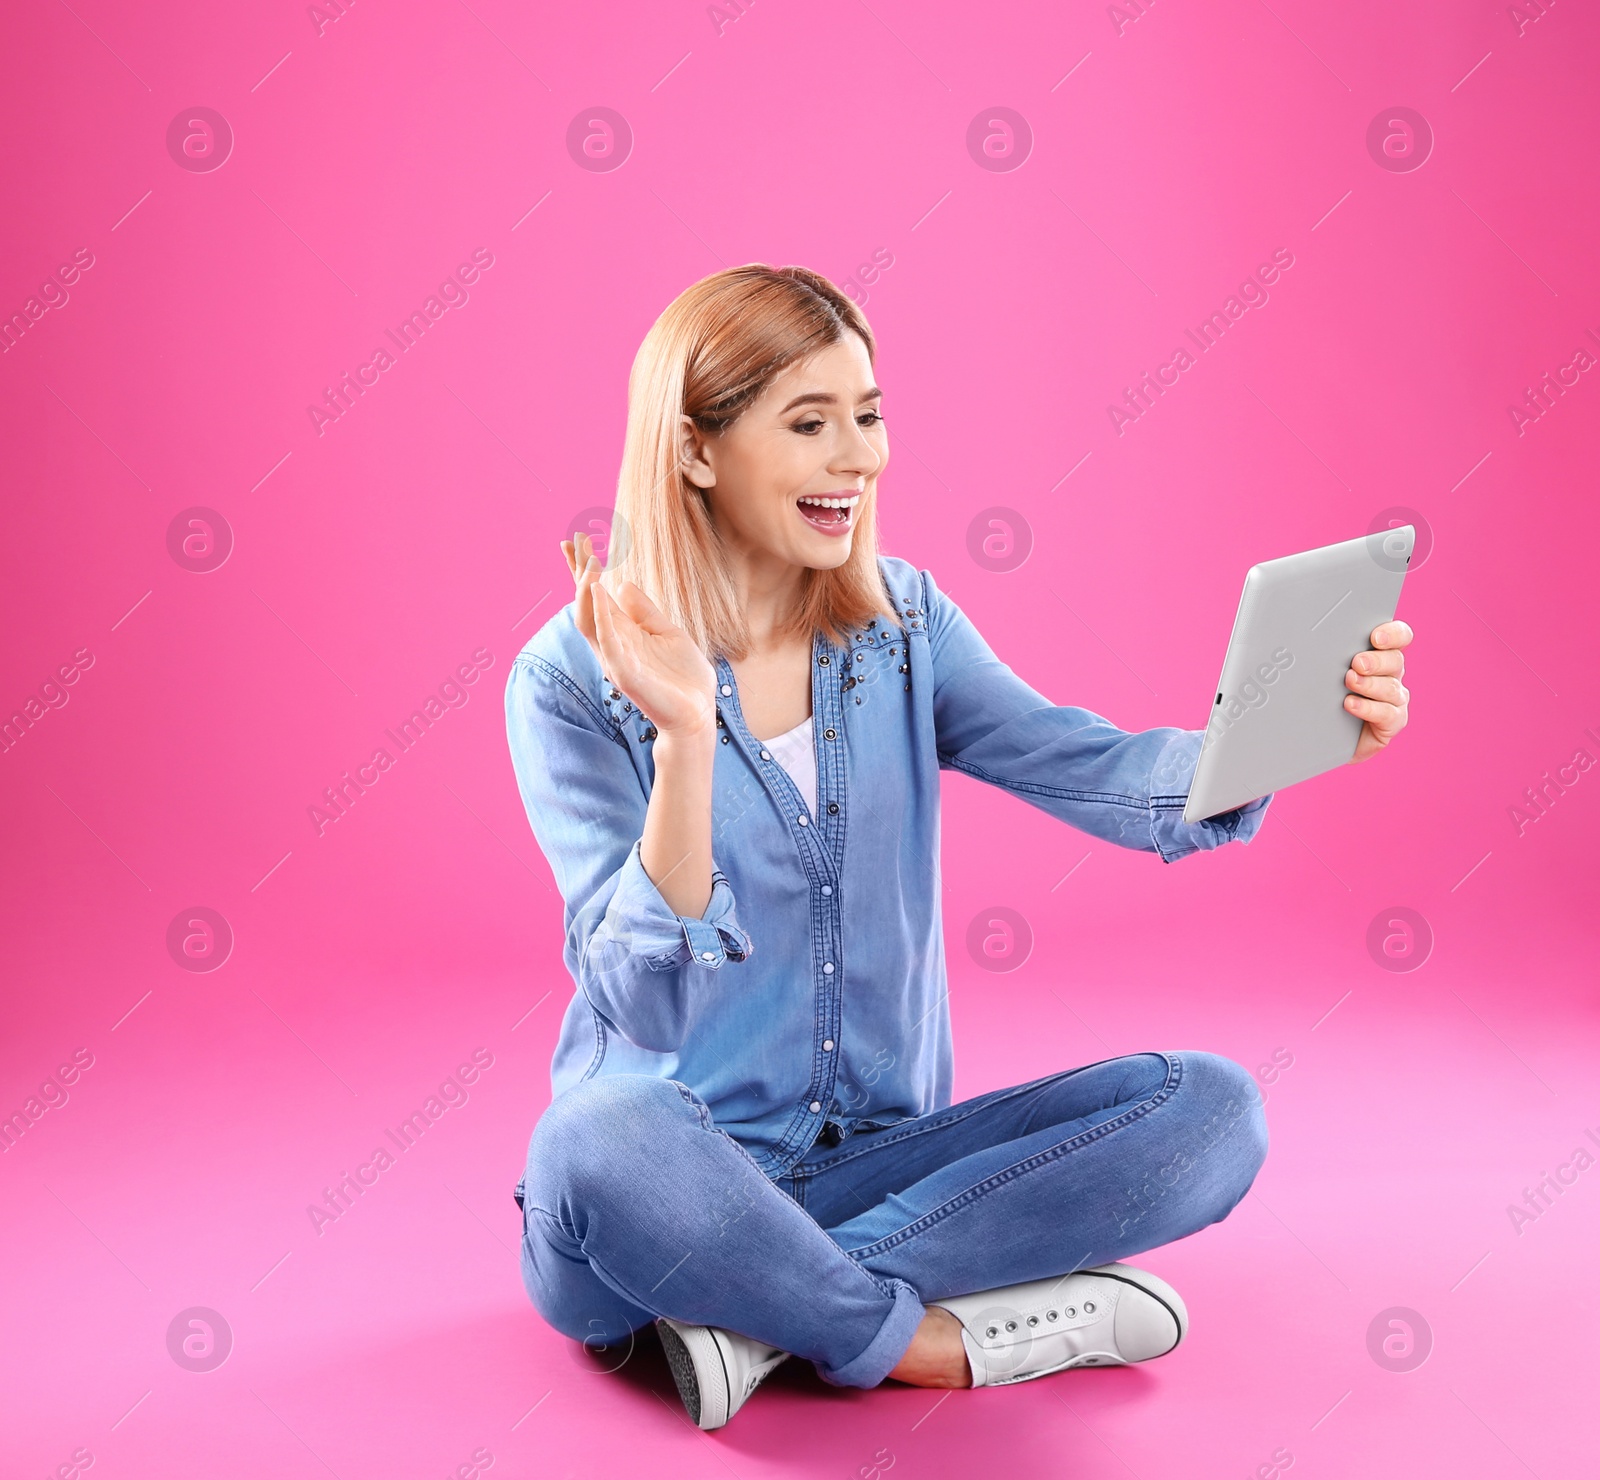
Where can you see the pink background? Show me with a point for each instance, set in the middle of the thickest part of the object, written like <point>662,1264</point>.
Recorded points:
<point>1171,152</point>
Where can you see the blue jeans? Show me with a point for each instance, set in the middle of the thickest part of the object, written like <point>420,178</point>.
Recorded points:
<point>636,1205</point>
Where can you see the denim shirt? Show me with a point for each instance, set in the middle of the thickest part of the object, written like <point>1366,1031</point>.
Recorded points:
<point>812,989</point>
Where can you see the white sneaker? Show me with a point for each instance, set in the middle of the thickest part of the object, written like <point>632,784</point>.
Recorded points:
<point>1100,1317</point>
<point>715,1370</point>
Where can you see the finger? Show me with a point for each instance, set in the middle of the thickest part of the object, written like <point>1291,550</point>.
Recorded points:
<point>1391,635</point>
<point>1385,719</point>
<point>1392,663</point>
<point>1382,688</point>
<point>583,613</point>
<point>613,658</point>
<point>569,551</point>
<point>619,634</point>
<point>642,609</point>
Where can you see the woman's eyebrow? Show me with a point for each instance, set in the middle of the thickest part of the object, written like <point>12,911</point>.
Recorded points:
<point>826,398</point>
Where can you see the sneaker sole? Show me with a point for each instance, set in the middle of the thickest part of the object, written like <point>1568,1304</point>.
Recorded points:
<point>690,1351</point>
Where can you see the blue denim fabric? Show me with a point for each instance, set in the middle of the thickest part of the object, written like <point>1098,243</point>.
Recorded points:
<point>635,1204</point>
<point>813,988</point>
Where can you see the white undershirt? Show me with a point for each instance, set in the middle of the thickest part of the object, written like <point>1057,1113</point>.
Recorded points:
<point>795,750</point>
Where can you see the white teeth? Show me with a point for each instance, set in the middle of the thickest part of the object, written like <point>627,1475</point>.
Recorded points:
<point>832,503</point>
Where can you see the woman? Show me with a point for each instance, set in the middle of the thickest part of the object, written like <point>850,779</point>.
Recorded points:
<point>729,747</point>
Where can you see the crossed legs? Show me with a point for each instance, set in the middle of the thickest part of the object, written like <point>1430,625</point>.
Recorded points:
<point>636,1205</point>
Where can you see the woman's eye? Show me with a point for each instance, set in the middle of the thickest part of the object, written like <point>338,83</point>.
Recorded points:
<point>815,424</point>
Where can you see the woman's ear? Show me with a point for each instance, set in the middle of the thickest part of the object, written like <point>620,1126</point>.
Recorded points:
<point>692,455</point>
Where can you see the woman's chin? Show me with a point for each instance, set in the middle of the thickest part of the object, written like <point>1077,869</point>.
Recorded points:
<point>826,552</point>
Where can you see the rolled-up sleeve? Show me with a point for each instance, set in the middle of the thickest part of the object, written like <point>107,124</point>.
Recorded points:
<point>1124,787</point>
<point>1170,782</point>
<point>638,963</point>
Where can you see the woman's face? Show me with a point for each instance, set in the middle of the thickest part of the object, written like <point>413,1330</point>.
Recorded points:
<point>788,478</point>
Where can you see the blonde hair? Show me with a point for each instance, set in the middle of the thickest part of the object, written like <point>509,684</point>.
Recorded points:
<point>715,349</point>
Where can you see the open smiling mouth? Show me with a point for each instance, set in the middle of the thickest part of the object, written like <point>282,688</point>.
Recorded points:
<point>831,514</point>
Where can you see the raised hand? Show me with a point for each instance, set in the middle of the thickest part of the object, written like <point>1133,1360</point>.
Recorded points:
<point>1377,695</point>
<point>650,659</point>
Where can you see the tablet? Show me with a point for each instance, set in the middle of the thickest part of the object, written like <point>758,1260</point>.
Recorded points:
<point>1278,716</point>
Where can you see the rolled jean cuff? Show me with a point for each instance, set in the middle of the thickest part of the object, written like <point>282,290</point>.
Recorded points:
<point>884,1351</point>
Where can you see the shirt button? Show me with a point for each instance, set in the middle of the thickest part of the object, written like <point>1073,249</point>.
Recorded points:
<point>816,1107</point>
<point>708,955</point>
<point>726,690</point>
<point>827,1045</point>
<point>803,820</point>
<point>833,808</point>
<point>827,888</point>
<point>827,968</point>
<point>766,755</point>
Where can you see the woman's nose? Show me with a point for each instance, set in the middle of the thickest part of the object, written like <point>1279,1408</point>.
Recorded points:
<point>856,456</point>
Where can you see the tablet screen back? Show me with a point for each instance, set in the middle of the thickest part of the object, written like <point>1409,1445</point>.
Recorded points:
<point>1278,713</point>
